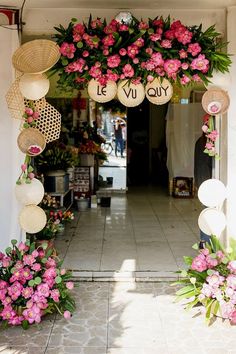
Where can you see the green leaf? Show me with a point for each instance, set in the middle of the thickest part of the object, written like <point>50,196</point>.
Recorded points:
<point>185,296</point>
<point>44,245</point>
<point>192,304</point>
<point>74,19</point>
<point>31,282</point>
<point>195,246</point>
<point>13,242</point>
<point>37,280</point>
<point>64,61</point>
<point>185,290</point>
<point>210,272</point>
<point>30,169</point>
<point>188,260</point>
<point>8,250</point>
<point>215,307</point>
<point>58,279</point>
<point>44,260</point>
<point>27,242</point>
<point>80,45</point>
<point>184,273</point>
<point>32,247</point>
<point>25,324</point>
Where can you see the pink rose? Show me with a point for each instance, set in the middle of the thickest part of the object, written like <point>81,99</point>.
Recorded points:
<point>166,43</point>
<point>149,50</point>
<point>155,37</point>
<point>135,60</point>
<point>31,175</point>
<point>150,78</point>
<point>29,111</point>
<point>63,271</point>
<point>67,315</point>
<point>143,25</point>
<point>70,285</point>
<point>139,42</point>
<point>184,80</point>
<point>200,63</point>
<point>67,50</point>
<point>132,51</point>
<point>196,78</point>
<point>233,318</point>
<point>205,128</point>
<point>194,49</point>
<point>95,72</point>
<point>199,264</point>
<point>183,54</point>
<point>232,266</point>
<point>122,52</point>
<point>36,115</point>
<point>113,61</point>
<point>24,167</point>
<point>128,70</point>
<point>85,53</point>
<point>123,28</point>
<point>171,66</point>
<point>108,41</point>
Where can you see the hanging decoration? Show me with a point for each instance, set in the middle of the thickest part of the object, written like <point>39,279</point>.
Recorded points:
<point>159,91</point>
<point>215,101</point>
<point>211,134</point>
<point>32,219</point>
<point>29,193</point>
<point>35,57</point>
<point>34,86</point>
<point>102,93</point>
<point>137,50</point>
<point>130,94</point>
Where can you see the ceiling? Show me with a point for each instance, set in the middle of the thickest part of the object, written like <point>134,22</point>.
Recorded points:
<point>120,4</point>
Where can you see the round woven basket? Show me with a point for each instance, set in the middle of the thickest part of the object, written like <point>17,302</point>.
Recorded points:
<point>34,86</point>
<point>15,100</point>
<point>49,123</point>
<point>130,95</point>
<point>101,93</point>
<point>32,219</point>
<point>215,101</point>
<point>159,92</point>
<point>31,142</point>
<point>36,56</point>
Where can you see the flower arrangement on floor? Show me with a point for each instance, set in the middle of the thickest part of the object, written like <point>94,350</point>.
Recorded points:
<point>210,280</point>
<point>32,284</point>
<point>211,134</point>
<point>88,147</point>
<point>138,51</point>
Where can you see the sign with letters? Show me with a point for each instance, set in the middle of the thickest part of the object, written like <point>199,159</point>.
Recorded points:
<point>129,94</point>
<point>100,93</point>
<point>159,92</point>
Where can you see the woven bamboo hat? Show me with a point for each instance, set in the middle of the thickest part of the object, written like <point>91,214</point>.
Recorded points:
<point>129,94</point>
<point>29,193</point>
<point>159,92</point>
<point>36,56</point>
<point>31,141</point>
<point>101,93</point>
<point>34,86</point>
<point>215,101</point>
<point>32,219</point>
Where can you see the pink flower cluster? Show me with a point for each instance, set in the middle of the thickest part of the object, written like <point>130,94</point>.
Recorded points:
<point>211,135</point>
<point>31,280</point>
<point>216,286</point>
<point>112,51</point>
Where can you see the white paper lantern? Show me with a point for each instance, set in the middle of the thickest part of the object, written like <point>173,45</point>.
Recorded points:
<point>212,192</point>
<point>220,80</point>
<point>212,221</point>
<point>158,92</point>
<point>129,94</point>
<point>34,86</point>
<point>32,219</point>
<point>101,93</point>
<point>29,193</point>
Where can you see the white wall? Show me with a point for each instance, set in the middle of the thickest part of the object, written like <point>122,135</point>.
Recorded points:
<point>42,21</point>
<point>10,157</point>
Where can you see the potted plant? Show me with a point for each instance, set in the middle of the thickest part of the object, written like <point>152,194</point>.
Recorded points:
<point>53,163</point>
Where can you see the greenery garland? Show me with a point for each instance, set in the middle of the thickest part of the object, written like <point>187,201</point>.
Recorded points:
<point>139,51</point>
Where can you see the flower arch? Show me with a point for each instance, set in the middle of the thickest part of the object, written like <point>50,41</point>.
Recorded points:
<point>140,52</point>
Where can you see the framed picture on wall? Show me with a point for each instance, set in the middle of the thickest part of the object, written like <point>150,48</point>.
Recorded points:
<point>183,187</point>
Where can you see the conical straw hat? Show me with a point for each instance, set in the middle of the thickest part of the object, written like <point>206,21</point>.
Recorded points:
<point>32,219</point>
<point>36,56</point>
<point>34,86</point>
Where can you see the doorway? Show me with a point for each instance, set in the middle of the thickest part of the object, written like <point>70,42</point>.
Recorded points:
<point>146,145</point>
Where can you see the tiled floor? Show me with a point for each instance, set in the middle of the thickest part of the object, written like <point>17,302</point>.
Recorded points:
<point>144,234</point>
<point>123,318</point>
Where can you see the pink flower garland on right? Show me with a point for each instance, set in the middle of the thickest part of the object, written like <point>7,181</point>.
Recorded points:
<point>211,134</point>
